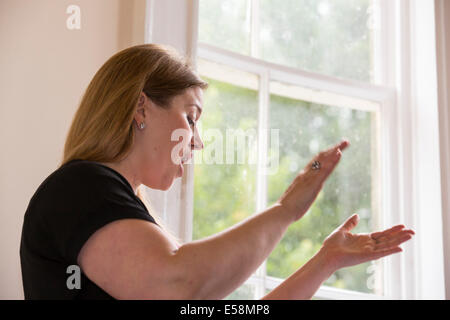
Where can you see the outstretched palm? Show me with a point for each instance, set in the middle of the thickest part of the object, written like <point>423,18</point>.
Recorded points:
<point>346,249</point>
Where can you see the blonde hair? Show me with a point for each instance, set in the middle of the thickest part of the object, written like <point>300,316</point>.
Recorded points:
<point>102,129</point>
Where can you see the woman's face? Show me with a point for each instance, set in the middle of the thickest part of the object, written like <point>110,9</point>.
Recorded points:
<point>168,135</point>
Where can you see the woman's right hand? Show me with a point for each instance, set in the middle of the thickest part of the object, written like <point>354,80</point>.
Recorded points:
<point>307,184</point>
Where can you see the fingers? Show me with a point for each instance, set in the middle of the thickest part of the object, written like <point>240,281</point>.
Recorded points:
<point>383,253</point>
<point>342,145</point>
<point>336,149</point>
<point>385,233</point>
<point>394,241</point>
<point>387,242</point>
<point>329,158</point>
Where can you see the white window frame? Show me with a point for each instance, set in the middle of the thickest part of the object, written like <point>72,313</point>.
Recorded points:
<point>443,55</point>
<point>413,45</point>
<point>408,176</point>
<point>267,72</point>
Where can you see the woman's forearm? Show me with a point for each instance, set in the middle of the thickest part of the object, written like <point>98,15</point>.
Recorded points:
<point>219,264</point>
<point>212,268</point>
<point>305,281</point>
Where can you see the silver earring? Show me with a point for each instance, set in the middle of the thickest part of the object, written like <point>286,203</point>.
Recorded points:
<point>142,126</point>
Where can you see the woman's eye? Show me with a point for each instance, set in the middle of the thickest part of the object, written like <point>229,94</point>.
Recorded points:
<point>191,122</point>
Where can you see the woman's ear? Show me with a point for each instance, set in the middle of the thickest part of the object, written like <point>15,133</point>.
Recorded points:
<point>141,100</point>
<point>141,111</point>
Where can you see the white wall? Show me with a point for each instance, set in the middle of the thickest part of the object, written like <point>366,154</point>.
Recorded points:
<point>45,69</point>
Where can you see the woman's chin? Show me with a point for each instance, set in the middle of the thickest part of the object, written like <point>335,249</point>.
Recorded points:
<point>167,183</point>
<point>164,184</point>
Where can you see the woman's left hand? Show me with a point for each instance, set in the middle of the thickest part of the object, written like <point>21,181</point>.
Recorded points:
<point>343,248</point>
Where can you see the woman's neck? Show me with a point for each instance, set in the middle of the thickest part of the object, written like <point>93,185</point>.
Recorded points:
<point>127,170</point>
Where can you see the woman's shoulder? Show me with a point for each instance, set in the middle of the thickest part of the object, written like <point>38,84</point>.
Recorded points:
<point>74,201</point>
<point>78,179</point>
<point>78,166</point>
<point>88,173</point>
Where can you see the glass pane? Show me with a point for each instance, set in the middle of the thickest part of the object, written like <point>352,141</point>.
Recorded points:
<point>225,173</point>
<point>244,292</point>
<point>305,128</point>
<point>316,34</point>
<point>226,24</point>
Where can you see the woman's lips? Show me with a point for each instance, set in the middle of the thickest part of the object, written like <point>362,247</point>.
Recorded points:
<point>181,170</point>
<point>183,161</point>
<point>186,159</point>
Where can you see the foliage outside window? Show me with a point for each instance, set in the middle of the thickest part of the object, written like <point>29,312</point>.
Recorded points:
<point>330,37</point>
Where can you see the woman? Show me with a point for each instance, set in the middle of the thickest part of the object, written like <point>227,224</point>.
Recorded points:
<point>90,213</point>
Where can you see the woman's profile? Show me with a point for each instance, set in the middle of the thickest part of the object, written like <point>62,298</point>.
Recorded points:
<point>90,212</point>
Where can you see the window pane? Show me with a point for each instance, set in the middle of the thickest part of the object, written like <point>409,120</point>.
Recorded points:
<point>305,128</point>
<point>306,34</point>
<point>225,178</point>
<point>326,36</point>
<point>245,292</point>
<point>226,24</point>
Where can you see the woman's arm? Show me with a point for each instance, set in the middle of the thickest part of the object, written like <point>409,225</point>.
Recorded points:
<point>341,249</point>
<point>233,255</point>
<point>219,264</point>
<point>304,282</point>
<point>134,259</point>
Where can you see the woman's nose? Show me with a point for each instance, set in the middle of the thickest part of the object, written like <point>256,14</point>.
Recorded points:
<point>196,142</point>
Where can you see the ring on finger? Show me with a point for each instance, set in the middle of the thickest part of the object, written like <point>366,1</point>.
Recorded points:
<point>315,165</point>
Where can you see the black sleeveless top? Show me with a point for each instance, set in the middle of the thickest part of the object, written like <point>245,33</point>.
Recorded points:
<point>68,207</point>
